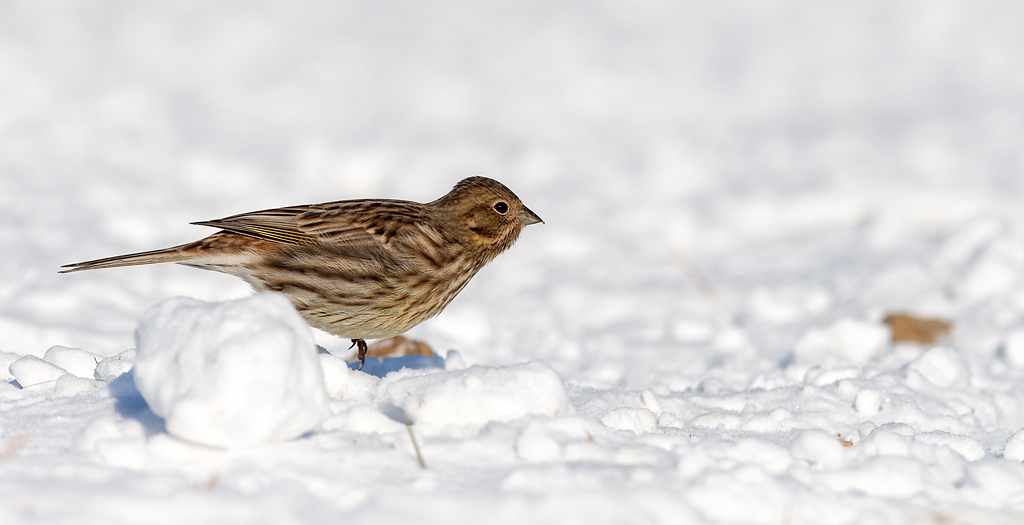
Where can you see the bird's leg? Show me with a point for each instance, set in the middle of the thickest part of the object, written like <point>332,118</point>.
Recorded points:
<point>361,345</point>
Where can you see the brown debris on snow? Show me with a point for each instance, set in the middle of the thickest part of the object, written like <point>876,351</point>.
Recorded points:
<point>909,328</point>
<point>397,347</point>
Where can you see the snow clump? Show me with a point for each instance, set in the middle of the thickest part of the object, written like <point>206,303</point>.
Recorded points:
<point>230,374</point>
<point>478,395</point>
<point>31,371</point>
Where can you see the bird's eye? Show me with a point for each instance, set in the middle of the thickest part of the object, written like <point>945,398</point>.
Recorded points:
<point>501,207</point>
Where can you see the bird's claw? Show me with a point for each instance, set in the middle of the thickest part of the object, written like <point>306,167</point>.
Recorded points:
<point>359,343</point>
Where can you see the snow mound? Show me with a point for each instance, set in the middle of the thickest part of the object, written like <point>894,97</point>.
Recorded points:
<point>230,374</point>
<point>479,394</point>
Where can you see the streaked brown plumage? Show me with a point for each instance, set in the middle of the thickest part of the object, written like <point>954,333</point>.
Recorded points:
<point>359,269</point>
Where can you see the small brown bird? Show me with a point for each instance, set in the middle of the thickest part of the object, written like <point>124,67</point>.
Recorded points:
<point>358,269</point>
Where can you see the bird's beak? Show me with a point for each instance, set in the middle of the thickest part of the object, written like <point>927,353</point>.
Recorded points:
<point>528,217</point>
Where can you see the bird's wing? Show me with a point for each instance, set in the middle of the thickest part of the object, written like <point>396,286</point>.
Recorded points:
<point>352,225</point>
<point>345,222</point>
<point>280,225</point>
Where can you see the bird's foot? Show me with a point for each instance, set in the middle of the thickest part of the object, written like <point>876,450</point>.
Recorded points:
<point>361,345</point>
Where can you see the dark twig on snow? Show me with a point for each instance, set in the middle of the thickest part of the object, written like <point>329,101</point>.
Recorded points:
<point>415,446</point>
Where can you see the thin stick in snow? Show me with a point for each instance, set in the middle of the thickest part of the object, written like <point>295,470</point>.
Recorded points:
<point>415,446</point>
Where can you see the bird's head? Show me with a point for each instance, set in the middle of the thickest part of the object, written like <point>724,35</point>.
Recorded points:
<point>490,213</point>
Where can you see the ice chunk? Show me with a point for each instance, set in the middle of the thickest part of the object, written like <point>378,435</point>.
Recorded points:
<point>230,374</point>
<point>32,371</point>
<point>74,360</point>
<point>479,394</point>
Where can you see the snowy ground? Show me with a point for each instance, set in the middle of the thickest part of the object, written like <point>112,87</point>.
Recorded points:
<point>735,193</point>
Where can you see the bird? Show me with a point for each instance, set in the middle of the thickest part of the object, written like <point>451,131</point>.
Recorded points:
<point>358,269</point>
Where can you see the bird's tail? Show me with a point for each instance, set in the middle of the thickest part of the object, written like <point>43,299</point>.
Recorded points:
<point>167,255</point>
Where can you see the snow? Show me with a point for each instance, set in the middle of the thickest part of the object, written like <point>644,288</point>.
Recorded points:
<point>848,340</point>
<point>477,395</point>
<point>1013,348</point>
<point>30,371</point>
<point>230,374</point>
<point>1014,448</point>
<point>736,194</point>
<point>75,360</point>
<point>110,368</point>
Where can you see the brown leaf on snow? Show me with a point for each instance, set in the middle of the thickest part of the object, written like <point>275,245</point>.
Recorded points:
<point>909,328</point>
<point>397,347</point>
